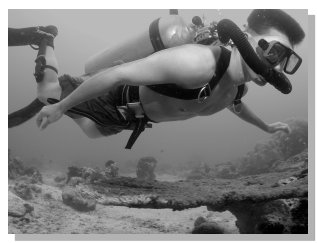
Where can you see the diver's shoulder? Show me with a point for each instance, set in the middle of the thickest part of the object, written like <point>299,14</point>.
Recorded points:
<point>205,50</point>
<point>198,47</point>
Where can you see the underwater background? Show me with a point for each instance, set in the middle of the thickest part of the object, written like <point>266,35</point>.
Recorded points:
<point>82,33</point>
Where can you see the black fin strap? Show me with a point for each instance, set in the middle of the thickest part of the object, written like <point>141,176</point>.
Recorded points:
<point>41,62</point>
<point>51,67</point>
<point>40,67</point>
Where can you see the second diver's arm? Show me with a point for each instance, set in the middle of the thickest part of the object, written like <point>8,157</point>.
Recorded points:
<point>247,115</point>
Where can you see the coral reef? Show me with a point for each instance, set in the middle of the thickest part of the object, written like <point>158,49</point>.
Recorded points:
<point>78,199</point>
<point>145,168</point>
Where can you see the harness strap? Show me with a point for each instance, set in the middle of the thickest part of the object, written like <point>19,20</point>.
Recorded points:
<point>237,99</point>
<point>155,36</point>
<point>174,91</point>
<point>130,94</point>
<point>181,93</point>
<point>139,128</point>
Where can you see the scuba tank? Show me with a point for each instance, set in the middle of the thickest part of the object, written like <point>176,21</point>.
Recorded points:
<point>166,32</point>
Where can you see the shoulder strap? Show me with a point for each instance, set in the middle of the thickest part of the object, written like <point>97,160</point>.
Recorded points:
<point>173,90</point>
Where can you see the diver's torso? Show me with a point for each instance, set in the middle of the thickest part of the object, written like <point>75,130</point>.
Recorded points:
<point>161,108</point>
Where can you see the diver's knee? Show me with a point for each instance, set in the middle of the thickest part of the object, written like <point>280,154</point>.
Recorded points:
<point>49,90</point>
<point>92,134</point>
<point>88,127</point>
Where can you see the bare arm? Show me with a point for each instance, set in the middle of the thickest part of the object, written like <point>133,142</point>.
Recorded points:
<point>183,65</point>
<point>247,115</point>
<point>187,66</point>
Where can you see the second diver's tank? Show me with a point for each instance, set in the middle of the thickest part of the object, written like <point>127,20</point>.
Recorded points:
<point>165,32</point>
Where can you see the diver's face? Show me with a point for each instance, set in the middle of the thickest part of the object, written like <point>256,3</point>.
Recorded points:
<point>269,36</point>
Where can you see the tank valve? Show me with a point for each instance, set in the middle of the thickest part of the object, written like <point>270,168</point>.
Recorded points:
<point>173,11</point>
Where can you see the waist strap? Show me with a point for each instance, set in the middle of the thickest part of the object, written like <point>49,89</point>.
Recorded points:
<point>138,129</point>
<point>131,101</point>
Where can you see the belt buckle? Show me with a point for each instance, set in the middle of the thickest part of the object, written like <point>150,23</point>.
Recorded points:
<point>123,111</point>
<point>137,108</point>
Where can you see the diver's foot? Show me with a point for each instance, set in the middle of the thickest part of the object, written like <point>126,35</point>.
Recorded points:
<point>44,32</point>
<point>32,36</point>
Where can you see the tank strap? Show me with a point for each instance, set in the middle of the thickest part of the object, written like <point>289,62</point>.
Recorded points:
<point>155,36</point>
<point>174,91</point>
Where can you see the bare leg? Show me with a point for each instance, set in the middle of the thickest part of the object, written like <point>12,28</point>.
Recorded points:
<point>88,127</point>
<point>49,87</point>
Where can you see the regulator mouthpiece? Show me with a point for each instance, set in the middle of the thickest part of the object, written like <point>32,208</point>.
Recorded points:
<point>229,30</point>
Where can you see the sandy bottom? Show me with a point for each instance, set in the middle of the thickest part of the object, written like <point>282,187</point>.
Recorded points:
<point>52,216</point>
<point>56,218</point>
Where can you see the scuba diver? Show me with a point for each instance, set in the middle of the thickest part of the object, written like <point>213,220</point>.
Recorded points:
<point>182,79</point>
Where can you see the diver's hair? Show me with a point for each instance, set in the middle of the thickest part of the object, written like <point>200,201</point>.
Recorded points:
<point>262,19</point>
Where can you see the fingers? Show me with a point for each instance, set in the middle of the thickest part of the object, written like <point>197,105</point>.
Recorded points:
<point>45,123</point>
<point>285,128</point>
<point>39,119</point>
<point>48,115</point>
<point>42,121</point>
<point>279,126</point>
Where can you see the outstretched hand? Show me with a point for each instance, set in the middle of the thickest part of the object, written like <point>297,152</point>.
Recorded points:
<point>278,126</point>
<point>48,115</point>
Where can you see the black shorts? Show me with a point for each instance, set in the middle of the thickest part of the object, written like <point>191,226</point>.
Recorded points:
<point>103,107</point>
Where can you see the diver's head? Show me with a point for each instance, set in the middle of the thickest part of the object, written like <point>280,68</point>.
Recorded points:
<point>273,35</point>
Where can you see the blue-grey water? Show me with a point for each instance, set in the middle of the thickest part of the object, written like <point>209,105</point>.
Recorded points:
<point>219,138</point>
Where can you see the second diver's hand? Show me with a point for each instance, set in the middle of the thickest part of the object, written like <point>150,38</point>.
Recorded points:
<point>278,126</point>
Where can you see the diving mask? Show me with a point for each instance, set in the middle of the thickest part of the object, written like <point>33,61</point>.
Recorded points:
<point>276,53</point>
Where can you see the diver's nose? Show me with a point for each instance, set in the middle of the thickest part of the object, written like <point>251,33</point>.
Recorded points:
<point>278,68</point>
